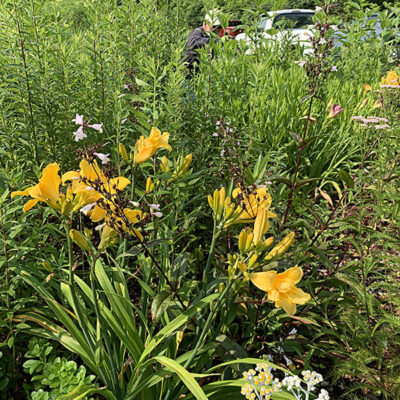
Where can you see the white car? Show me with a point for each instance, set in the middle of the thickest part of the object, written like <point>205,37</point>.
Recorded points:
<point>277,26</point>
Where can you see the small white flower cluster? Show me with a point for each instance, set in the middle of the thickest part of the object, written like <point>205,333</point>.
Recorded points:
<point>323,395</point>
<point>372,120</point>
<point>292,382</point>
<point>311,378</point>
<point>261,384</point>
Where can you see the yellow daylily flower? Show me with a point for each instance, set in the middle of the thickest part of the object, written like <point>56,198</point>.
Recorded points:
<point>281,288</point>
<point>250,204</point>
<point>147,147</point>
<point>48,191</point>
<point>108,233</point>
<point>392,78</point>
<point>89,174</point>
<point>281,247</point>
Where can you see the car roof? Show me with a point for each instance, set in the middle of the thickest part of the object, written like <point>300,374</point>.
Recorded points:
<point>290,11</point>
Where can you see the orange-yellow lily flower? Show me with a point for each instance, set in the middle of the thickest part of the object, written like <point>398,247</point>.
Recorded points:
<point>392,78</point>
<point>91,172</point>
<point>281,288</point>
<point>47,190</point>
<point>147,147</point>
<point>251,203</point>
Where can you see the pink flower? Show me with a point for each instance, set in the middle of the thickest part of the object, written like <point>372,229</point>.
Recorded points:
<point>78,119</point>
<point>97,127</point>
<point>335,110</point>
<point>103,157</point>
<point>79,134</point>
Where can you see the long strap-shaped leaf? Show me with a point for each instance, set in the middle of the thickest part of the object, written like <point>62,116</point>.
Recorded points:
<point>117,303</point>
<point>175,324</point>
<point>185,376</point>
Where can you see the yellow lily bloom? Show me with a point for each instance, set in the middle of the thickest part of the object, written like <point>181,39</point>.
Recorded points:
<point>147,147</point>
<point>47,190</point>
<point>250,204</point>
<point>108,233</point>
<point>392,78</point>
<point>281,288</point>
<point>89,174</point>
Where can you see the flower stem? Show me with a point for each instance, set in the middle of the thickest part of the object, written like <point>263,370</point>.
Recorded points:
<point>210,255</point>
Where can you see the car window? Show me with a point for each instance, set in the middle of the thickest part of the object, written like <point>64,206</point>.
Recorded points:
<point>293,20</point>
<point>261,25</point>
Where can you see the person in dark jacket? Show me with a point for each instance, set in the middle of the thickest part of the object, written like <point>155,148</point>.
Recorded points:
<point>199,38</point>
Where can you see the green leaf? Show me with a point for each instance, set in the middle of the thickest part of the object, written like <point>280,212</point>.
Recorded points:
<point>159,305</point>
<point>185,376</point>
<point>84,390</point>
<point>346,178</point>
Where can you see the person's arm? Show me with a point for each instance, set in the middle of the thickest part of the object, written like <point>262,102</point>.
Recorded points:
<point>197,40</point>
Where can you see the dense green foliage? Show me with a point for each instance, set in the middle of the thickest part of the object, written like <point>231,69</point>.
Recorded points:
<point>178,318</point>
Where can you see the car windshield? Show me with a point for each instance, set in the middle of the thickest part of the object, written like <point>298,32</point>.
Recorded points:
<point>293,21</point>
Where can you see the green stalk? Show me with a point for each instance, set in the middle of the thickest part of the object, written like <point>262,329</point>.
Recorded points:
<point>210,255</point>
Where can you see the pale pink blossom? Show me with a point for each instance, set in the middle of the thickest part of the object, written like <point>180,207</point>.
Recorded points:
<point>79,134</point>
<point>103,157</point>
<point>335,110</point>
<point>158,214</point>
<point>123,121</point>
<point>87,208</point>
<point>78,119</point>
<point>97,127</point>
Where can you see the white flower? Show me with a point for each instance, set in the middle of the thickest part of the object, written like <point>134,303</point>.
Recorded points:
<point>385,126</point>
<point>97,127</point>
<point>87,208</point>
<point>154,206</point>
<point>215,134</point>
<point>78,119</point>
<point>323,395</point>
<point>99,227</point>
<point>103,157</point>
<point>318,9</point>
<point>158,214</point>
<point>123,121</point>
<point>294,330</point>
<point>79,134</point>
<point>334,68</point>
<point>322,41</point>
<point>134,203</point>
<point>301,63</point>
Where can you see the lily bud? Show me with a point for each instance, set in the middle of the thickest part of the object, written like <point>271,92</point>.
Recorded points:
<point>149,185</point>
<point>124,154</point>
<point>164,165</point>
<point>79,239</point>
<point>281,247</point>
